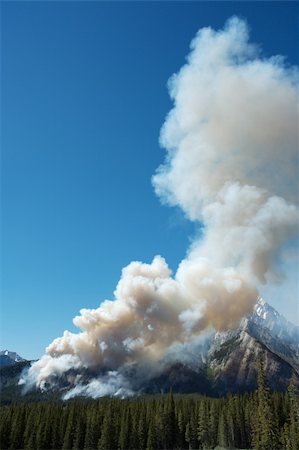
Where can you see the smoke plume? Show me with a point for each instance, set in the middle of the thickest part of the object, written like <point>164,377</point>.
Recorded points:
<point>231,165</point>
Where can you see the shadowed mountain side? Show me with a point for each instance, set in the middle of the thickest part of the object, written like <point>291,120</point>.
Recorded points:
<point>180,378</point>
<point>7,358</point>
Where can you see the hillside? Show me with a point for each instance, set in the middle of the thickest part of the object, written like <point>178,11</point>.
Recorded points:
<point>224,362</point>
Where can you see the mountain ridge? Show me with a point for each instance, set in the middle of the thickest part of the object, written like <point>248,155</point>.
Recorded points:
<point>7,358</point>
<point>232,356</point>
<point>214,365</point>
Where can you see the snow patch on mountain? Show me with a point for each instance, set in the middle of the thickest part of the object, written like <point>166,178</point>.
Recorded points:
<point>7,358</point>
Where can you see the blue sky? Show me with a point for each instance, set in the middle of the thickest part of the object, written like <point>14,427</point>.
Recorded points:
<point>83,99</point>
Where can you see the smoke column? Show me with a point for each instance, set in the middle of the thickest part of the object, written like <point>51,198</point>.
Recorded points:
<point>232,165</point>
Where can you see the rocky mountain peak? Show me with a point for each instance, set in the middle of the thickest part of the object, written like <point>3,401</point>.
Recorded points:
<point>7,358</point>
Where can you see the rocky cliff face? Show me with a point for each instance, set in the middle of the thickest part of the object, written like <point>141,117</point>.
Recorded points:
<point>266,335</point>
<point>227,361</point>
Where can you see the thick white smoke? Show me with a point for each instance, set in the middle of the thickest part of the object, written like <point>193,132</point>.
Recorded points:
<point>232,164</point>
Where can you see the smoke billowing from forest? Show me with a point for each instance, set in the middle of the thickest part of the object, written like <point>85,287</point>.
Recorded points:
<point>232,164</point>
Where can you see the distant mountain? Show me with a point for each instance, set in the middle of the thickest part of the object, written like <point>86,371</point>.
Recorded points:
<point>11,392</point>
<point>7,358</point>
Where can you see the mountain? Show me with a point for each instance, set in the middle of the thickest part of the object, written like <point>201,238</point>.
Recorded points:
<point>229,362</point>
<point>11,392</point>
<point>213,365</point>
<point>265,335</point>
<point>7,358</point>
<point>275,332</point>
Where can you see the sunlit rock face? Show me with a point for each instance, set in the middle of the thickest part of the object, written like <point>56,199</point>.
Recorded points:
<point>263,335</point>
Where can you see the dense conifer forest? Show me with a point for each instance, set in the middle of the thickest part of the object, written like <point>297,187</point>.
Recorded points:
<point>261,420</point>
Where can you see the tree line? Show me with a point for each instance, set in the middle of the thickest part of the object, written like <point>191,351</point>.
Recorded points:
<point>262,420</point>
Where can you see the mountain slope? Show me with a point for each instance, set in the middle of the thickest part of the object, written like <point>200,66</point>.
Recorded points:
<point>214,365</point>
<point>265,335</point>
<point>275,332</point>
<point>227,362</point>
<point>7,358</point>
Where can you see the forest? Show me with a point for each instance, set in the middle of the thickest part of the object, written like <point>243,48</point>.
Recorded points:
<point>260,420</point>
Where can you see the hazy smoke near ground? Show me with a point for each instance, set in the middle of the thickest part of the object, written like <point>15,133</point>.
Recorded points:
<point>232,164</point>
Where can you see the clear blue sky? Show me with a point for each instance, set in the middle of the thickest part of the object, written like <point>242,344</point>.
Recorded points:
<point>83,99</point>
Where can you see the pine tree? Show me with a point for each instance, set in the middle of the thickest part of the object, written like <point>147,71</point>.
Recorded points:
<point>69,432</point>
<point>190,435</point>
<point>55,434</point>
<point>230,422</point>
<point>285,437</point>
<point>203,424</point>
<point>265,431</point>
<point>293,416</point>
<point>222,431</point>
<point>89,443</point>
<point>150,443</point>
<point>63,420</point>
<point>133,428</point>
<point>213,424</point>
<point>169,422</point>
<point>30,430</point>
<point>159,426</point>
<point>123,440</point>
<point>5,424</point>
<point>79,432</point>
<point>239,422</point>
<point>43,434</point>
<point>142,431</point>
<point>106,441</point>
<point>17,428</point>
<point>181,429</point>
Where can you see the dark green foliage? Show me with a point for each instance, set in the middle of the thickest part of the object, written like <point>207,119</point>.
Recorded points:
<point>290,433</point>
<point>204,431</point>
<point>222,431</point>
<point>260,420</point>
<point>265,430</point>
